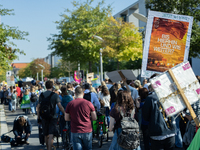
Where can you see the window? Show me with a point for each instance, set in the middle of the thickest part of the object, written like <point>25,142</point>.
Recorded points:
<point>123,17</point>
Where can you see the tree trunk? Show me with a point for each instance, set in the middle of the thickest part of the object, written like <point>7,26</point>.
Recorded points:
<point>90,66</point>
<point>69,77</point>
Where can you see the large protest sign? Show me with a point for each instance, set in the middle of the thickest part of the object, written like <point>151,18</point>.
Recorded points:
<point>168,93</point>
<point>10,79</point>
<point>167,42</point>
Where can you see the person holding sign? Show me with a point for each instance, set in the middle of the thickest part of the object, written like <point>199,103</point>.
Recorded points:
<point>161,128</point>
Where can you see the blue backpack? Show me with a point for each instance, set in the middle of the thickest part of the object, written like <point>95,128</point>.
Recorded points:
<point>65,100</point>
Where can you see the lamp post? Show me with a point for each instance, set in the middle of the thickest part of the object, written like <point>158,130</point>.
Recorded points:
<point>140,17</point>
<point>37,73</point>
<point>41,71</point>
<point>101,63</point>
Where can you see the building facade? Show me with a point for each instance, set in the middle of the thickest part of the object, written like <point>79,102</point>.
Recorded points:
<point>52,60</point>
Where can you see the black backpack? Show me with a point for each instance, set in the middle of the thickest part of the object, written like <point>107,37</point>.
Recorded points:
<point>87,96</point>
<point>33,97</point>
<point>47,111</point>
<point>129,138</point>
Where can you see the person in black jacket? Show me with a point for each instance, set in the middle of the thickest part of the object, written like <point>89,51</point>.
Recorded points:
<point>22,129</point>
<point>161,128</point>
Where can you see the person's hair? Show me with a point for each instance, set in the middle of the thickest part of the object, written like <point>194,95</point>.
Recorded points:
<point>143,93</point>
<point>78,91</point>
<point>100,88</point>
<point>64,90</point>
<point>137,83</point>
<point>22,121</point>
<point>87,86</point>
<point>49,84</point>
<point>105,91</point>
<point>103,83</point>
<point>116,88</point>
<point>128,81</point>
<point>26,92</point>
<point>69,85</point>
<point>11,89</point>
<point>110,81</point>
<point>93,90</point>
<point>124,100</point>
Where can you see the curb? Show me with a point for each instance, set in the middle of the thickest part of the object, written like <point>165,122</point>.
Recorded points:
<point>4,128</point>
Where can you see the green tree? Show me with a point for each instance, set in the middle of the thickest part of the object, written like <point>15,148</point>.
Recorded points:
<point>122,40</point>
<point>183,7</point>
<point>8,49</point>
<point>74,42</point>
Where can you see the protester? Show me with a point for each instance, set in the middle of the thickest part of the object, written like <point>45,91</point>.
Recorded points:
<point>113,93</point>
<point>105,96</point>
<point>125,104</point>
<point>91,96</point>
<point>14,100</point>
<point>109,84</point>
<point>33,100</point>
<point>66,98</point>
<point>78,112</point>
<point>70,89</point>
<point>1,94</point>
<point>19,96</point>
<point>51,99</point>
<point>5,95</point>
<point>161,128</point>
<point>143,92</point>
<point>22,129</point>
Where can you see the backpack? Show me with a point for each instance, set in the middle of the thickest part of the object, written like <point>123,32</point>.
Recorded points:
<point>33,97</point>
<point>87,96</point>
<point>129,138</point>
<point>46,109</point>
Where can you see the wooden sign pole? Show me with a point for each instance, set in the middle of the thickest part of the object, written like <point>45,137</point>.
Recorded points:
<point>189,107</point>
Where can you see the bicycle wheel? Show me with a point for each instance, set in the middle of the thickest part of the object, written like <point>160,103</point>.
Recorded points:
<point>100,141</point>
<point>64,141</point>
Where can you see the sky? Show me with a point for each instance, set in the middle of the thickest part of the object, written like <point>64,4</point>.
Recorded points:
<point>37,17</point>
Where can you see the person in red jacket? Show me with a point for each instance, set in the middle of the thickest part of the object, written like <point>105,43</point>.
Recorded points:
<point>18,95</point>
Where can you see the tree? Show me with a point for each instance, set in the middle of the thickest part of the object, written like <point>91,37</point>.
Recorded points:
<point>8,50</point>
<point>183,7</point>
<point>74,42</point>
<point>34,67</point>
<point>122,40</point>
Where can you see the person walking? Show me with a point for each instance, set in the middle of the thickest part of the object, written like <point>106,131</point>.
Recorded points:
<point>78,112</point>
<point>49,100</point>
<point>105,97</point>
<point>33,100</point>
<point>161,128</point>
<point>25,105</point>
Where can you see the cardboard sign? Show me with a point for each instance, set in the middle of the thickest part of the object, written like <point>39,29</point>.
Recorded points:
<point>115,75</point>
<point>167,42</point>
<point>90,77</point>
<point>168,93</point>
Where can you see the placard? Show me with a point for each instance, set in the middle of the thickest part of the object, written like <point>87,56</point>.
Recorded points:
<point>167,92</point>
<point>167,42</point>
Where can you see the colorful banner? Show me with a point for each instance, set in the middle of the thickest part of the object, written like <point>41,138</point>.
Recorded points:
<point>167,42</point>
<point>77,76</point>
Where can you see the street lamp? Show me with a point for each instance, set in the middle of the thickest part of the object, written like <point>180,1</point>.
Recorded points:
<point>41,71</point>
<point>140,17</point>
<point>101,64</point>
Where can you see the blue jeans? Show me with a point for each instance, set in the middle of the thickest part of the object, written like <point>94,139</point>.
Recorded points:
<point>10,104</point>
<point>108,115</point>
<point>33,107</point>
<point>114,145</point>
<point>178,137</point>
<point>82,141</point>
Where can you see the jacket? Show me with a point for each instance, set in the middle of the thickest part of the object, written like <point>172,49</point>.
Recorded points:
<point>152,113</point>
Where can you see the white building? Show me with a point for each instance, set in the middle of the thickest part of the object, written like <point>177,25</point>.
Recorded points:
<point>139,7</point>
<point>52,60</point>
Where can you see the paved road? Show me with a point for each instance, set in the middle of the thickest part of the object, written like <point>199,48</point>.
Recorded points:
<point>34,140</point>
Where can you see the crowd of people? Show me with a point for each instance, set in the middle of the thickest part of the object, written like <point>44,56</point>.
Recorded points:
<point>78,105</point>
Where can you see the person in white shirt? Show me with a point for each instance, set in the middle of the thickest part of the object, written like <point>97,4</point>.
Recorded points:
<point>90,96</point>
<point>105,97</point>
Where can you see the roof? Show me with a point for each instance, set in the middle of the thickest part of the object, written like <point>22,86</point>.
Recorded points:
<point>19,65</point>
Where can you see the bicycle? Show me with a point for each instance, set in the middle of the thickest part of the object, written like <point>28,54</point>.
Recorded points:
<point>66,138</point>
<point>100,128</point>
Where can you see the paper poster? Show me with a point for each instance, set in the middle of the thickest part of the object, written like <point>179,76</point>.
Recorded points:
<point>167,42</point>
<point>167,92</point>
<point>90,77</point>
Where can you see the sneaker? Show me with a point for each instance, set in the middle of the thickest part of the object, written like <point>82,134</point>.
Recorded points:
<point>27,143</point>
